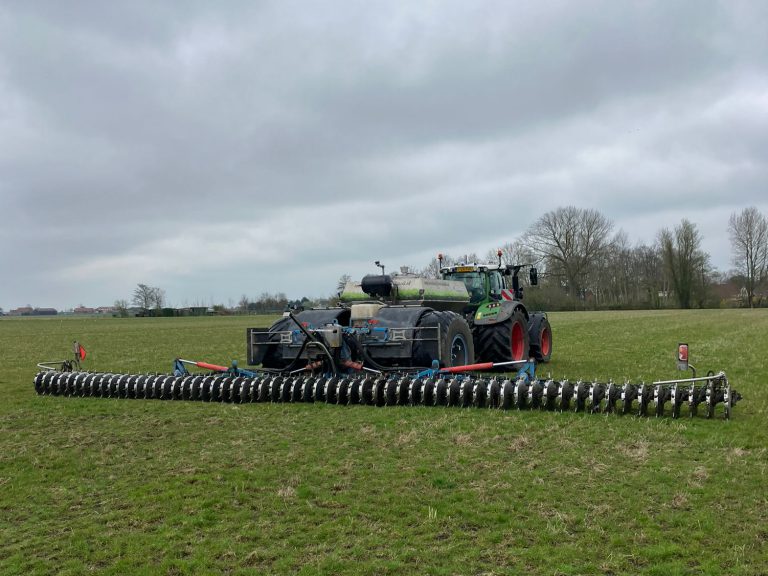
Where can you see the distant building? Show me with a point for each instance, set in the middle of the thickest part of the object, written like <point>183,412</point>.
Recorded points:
<point>45,312</point>
<point>84,310</point>
<point>29,311</point>
<point>23,311</point>
<point>105,310</point>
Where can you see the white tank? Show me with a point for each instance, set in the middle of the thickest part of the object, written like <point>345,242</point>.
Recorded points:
<point>414,290</point>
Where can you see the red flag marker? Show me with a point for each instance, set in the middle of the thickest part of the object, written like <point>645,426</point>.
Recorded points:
<point>80,352</point>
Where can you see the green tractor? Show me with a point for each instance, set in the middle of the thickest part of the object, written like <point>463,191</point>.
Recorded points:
<point>502,328</point>
<point>474,313</point>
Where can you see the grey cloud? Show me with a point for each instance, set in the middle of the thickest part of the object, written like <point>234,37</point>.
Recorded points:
<point>171,144</point>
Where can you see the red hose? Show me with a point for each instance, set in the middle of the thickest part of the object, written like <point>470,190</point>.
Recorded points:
<point>467,368</point>
<point>214,367</point>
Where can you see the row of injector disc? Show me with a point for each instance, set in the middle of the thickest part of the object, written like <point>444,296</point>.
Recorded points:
<point>401,390</point>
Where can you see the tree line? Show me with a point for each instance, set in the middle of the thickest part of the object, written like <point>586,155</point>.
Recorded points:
<point>150,301</point>
<point>584,263</point>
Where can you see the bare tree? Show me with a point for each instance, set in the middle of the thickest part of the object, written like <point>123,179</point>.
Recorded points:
<point>432,270</point>
<point>570,240</point>
<point>148,297</point>
<point>650,273</point>
<point>517,252</point>
<point>611,279</point>
<point>749,243</point>
<point>158,298</point>
<point>121,308</point>
<point>342,282</point>
<point>269,303</point>
<point>144,296</point>
<point>684,261</point>
<point>243,304</point>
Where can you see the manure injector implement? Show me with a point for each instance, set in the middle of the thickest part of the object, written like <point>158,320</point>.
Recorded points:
<point>404,340</point>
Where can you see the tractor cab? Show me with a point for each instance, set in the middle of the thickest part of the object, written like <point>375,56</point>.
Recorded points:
<point>484,282</point>
<point>487,283</point>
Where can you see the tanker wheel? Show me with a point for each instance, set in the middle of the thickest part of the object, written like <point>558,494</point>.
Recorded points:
<point>540,337</point>
<point>505,341</point>
<point>456,346</point>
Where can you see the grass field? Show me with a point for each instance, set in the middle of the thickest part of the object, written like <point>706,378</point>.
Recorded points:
<point>149,487</point>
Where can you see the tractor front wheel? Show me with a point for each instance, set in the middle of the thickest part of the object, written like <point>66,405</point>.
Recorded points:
<point>505,341</point>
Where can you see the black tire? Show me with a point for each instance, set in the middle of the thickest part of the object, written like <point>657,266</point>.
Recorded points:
<point>415,391</point>
<point>245,391</point>
<point>507,393</point>
<point>441,393</point>
<point>285,390</point>
<point>456,347</point>
<point>467,393</point>
<point>329,390</point>
<point>39,379</point>
<point>480,394</point>
<point>494,393</point>
<point>273,358</point>
<point>265,390</point>
<point>276,389</point>
<point>540,338</point>
<point>342,392</point>
<point>390,392</point>
<point>505,341</point>
<point>379,389</point>
<point>428,393</point>
<point>354,391</point>
<point>403,388</point>
<point>454,392</point>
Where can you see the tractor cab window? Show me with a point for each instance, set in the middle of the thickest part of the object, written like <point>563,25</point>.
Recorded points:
<point>474,282</point>
<point>496,285</point>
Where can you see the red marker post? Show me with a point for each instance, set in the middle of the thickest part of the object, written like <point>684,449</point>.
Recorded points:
<point>682,356</point>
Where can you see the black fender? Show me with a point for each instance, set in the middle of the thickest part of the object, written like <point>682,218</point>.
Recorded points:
<point>400,321</point>
<point>399,316</point>
<point>319,317</point>
<point>508,308</point>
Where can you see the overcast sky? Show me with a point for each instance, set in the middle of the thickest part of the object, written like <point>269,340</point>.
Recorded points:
<point>219,149</point>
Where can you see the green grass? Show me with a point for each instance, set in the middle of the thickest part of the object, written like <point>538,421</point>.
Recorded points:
<point>148,487</point>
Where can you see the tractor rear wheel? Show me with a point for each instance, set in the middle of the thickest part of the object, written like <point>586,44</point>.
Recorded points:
<point>505,341</point>
<point>540,336</point>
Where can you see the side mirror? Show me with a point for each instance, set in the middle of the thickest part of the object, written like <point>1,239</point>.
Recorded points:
<point>534,276</point>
